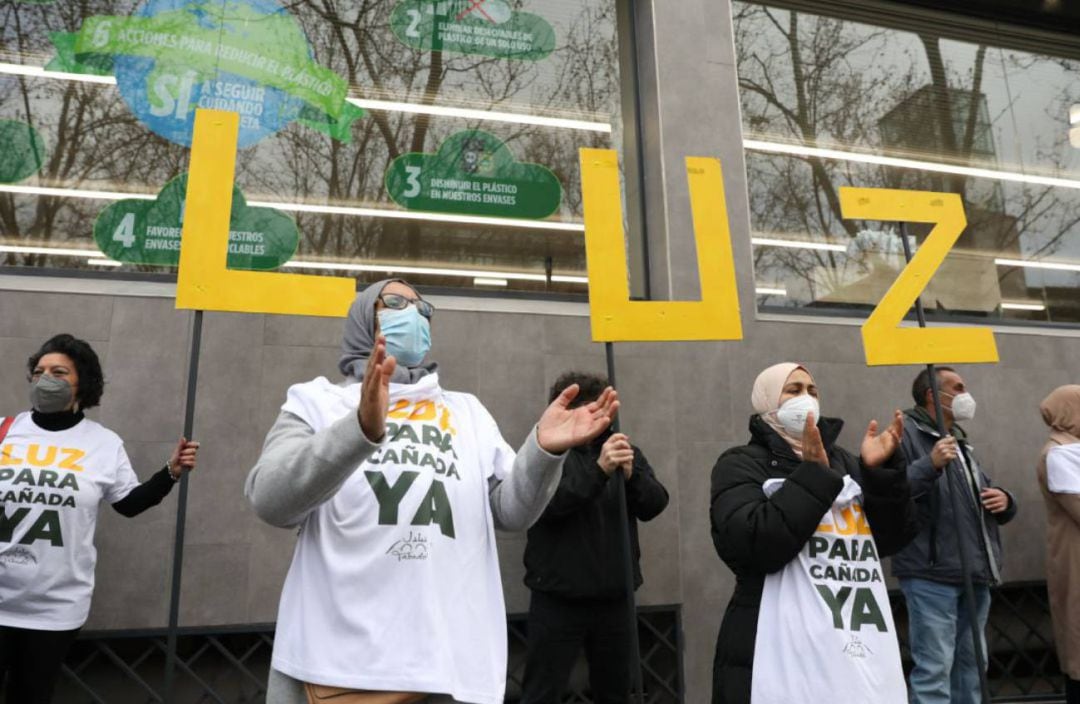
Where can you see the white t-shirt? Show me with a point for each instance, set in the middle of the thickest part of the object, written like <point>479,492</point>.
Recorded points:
<point>394,584</point>
<point>51,483</point>
<point>1063,469</point>
<point>825,630</point>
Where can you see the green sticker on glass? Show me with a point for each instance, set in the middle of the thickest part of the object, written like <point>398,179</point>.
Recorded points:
<point>473,173</point>
<point>245,56</point>
<point>22,151</point>
<point>148,231</point>
<point>483,27</point>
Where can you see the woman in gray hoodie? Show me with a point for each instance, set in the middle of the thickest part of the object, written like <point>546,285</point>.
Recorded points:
<point>397,486</point>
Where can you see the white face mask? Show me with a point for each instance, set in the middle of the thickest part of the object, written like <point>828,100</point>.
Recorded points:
<point>963,406</point>
<point>792,413</point>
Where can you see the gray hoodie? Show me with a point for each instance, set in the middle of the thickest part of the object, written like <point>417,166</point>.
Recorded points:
<point>299,469</point>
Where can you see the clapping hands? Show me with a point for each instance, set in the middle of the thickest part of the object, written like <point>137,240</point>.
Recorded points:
<point>562,427</point>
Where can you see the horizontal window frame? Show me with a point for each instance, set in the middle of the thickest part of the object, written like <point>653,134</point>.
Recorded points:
<point>946,24</point>
<point>144,285</point>
<point>825,316</point>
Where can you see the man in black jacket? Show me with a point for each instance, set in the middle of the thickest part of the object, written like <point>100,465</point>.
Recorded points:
<point>574,563</point>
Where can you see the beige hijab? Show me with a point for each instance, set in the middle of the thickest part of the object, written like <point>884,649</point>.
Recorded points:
<point>1061,411</point>
<point>768,387</point>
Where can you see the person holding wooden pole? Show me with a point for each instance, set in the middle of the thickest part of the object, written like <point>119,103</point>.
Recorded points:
<point>957,502</point>
<point>57,467</point>
<point>574,562</point>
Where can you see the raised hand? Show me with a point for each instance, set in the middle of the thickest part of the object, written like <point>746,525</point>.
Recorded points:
<point>617,454</point>
<point>813,449</point>
<point>562,427</point>
<point>375,392</point>
<point>877,449</point>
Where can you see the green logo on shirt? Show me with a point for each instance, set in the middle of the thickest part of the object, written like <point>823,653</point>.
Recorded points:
<point>46,527</point>
<point>435,507</point>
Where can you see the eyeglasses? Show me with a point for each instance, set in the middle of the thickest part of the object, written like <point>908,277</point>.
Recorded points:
<point>396,301</point>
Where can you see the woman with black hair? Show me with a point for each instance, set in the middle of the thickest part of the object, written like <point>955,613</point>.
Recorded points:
<point>56,465</point>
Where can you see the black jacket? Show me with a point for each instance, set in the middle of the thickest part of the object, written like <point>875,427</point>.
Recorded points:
<point>575,550</point>
<point>935,553</point>
<point>756,536</point>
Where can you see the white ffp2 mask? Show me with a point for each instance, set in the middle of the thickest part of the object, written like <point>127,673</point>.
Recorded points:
<point>792,413</point>
<point>963,406</point>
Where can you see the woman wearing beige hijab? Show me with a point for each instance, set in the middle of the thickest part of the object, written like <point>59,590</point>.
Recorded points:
<point>803,524</point>
<point>1059,479</point>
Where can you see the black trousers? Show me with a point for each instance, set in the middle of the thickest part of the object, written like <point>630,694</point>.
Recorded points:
<point>558,629</point>
<point>1072,691</point>
<point>30,663</point>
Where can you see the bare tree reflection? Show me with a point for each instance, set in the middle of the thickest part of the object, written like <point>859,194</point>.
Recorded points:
<point>95,142</point>
<point>825,82</point>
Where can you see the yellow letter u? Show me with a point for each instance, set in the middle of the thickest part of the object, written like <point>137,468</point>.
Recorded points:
<point>615,318</point>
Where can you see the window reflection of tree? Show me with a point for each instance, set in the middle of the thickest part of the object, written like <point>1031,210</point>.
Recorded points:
<point>92,140</point>
<point>579,80</point>
<point>95,142</point>
<point>821,81</point>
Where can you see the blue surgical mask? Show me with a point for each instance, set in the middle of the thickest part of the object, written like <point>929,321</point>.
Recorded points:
<point>408,334</point>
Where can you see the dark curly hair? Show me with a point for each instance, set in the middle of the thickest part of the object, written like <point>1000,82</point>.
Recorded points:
<point>87,366</point>
<point>591,386</point>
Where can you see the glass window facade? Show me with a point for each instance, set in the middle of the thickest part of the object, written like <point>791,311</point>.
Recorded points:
<point>828,102</point>
<point>434,139</point>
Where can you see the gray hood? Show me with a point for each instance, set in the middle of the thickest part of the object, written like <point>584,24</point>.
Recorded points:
<point>359,339</point>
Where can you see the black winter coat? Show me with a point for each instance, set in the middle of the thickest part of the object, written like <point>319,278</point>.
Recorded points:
<point>575,550</point>
<point>756,536</point>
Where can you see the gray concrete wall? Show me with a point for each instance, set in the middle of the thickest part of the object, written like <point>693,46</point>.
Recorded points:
<point>684,403</point>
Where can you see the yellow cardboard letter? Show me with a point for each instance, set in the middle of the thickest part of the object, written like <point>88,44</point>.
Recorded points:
<point>884,341</point>
<point>615,318</point>
<point>204,282</point>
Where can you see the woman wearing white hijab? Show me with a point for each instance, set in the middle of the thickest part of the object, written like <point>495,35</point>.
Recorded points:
<point>1059,480</point>
<point>803,523</point>
<point>397,486</point>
